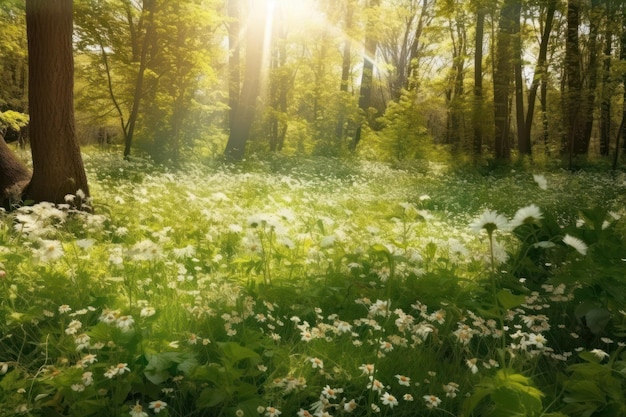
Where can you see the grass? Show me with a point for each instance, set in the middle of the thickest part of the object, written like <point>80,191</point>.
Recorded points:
<point>315,286</point>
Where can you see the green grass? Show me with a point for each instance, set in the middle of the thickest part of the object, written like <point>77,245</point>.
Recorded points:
<point>220,287</point>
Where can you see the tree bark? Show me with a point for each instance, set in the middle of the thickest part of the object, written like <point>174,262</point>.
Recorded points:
<point>502,80</point>
<point>346,66</point>
<point>367,76</point>
<point>607,93</point>
<point>478,82</point>
<point>234,62</point>
<point>240,127</point>
<point>541,69</point>
<point>590,96</point>
<point>57,164</point>
<point>149,9</point>
<point>572,109</point>
<point>524,146</point>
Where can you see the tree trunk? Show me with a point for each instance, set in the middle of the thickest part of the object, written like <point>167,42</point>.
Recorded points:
<point>541,70</point>
<point>149,7</point>
<point>502,80</point>
<point>523,140</point>
<point>572,110</point>
<point>607,92</point>
<point>590,96</point>
<point>244,115</point>
<point>367,76</point>
<point>622,56</point>
<point>477,116</point>
<point>234,64</point>
<point>57,164</point>
<point>346,66</point>
<point>14,176</point>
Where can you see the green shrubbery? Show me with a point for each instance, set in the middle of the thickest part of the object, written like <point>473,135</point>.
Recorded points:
<point>329,288</point>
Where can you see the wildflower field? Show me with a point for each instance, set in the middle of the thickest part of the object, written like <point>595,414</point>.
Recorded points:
<point>317,287</point>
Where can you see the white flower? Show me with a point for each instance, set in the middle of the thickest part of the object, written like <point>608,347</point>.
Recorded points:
<point>432,401</point>
<point>576,243</point>
<point>528,214</point>
<point>49,250</point>
<point>404,380</point>
<point>137,411</point>
<point>451,389</point>
<point>125,323</point>
<point>490,221</point>
<point>157,405</point>
<point>272,412</point>
<point>316,363</point>
<point>541,181</point>
<point>147,312</point>
<point>389,400</point>
<point>600,354</point>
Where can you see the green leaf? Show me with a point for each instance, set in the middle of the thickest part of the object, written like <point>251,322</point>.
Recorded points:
<point>235,352</point>
<point>508,300</point>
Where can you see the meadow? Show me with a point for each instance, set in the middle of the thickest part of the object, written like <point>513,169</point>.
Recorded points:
<point>317,287</point>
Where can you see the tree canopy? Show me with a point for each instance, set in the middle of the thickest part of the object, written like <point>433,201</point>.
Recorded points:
<point>388,79</point>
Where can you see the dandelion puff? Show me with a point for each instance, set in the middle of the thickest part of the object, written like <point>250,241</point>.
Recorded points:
<point>490,221</point>
<point>574,242</point>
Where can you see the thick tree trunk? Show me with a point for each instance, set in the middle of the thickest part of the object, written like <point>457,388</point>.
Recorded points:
<point>478,82</point>
<point>622,56</point>
<point>502,80</point>
<point>240,126</point>
<point>572,109</point>
<point>57,164</point>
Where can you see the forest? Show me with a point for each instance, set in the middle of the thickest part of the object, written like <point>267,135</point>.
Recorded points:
<point>384,79</point>
<point>312,208</point>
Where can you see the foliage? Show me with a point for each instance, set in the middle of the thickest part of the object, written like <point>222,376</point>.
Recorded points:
<point>312,285</point>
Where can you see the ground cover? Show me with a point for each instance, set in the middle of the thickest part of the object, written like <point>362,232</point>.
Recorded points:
<point>316,287</point>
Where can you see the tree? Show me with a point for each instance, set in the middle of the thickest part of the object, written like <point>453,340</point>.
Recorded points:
<point>572,110</point>
<point>367,76</point>
<point>245,109</point>
<point>502,77</point>
<point>57,164</point>
<point>477,143</point>
<point>540,73</point>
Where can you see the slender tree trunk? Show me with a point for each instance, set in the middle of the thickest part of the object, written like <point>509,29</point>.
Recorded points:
<point>234,62</point>
<point>590,96</point>
<point>523,140</point>
<point>502,80</point>
<point>255,43</point>
<point>477,116</point>
<point>541,70</point>
<point>367,76</point>
<point>57,164</point>
<point>607,92</point>
<point>149,7</point>
<point>346,66</point>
